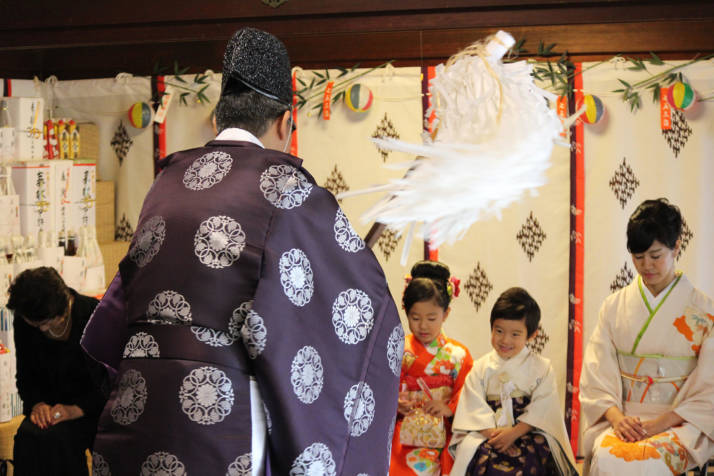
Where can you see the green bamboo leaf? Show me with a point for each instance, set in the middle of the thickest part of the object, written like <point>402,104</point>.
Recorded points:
<point>319,75</point>
<point>628,85</point>
<point>327,73</point>
<point>654,59</point>
<point>312,83</point>
<point>200,91</point>
<point>317,106</point>
<point>618,90</point>
<point>655,94</point>
<point>301,82</point>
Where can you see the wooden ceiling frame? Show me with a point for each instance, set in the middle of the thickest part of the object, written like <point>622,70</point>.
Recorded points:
<point>90,39</point>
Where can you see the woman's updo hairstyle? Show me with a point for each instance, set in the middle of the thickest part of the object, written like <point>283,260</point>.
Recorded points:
<point>429,280</point>
<point>653,220</point>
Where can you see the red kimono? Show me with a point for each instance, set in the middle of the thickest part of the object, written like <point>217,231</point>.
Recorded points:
<point>443,365</point>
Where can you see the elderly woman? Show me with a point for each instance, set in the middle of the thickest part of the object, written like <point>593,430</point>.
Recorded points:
<point>54,379</point>
<point>647,387</point>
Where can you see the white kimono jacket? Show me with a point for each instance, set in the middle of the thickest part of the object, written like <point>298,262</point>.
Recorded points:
<point>645,361</point>
<point>531,375</point>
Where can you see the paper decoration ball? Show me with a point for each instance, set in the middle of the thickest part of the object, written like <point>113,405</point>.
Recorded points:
<point>140,115</point>
<point>359,97</point>
<point>594,109</point>
<point>681,95</point>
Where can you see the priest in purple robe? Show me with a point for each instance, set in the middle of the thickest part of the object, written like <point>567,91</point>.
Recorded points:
<point>249,330</point>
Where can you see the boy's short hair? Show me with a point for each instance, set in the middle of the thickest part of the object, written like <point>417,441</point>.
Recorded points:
<point>515,304</point>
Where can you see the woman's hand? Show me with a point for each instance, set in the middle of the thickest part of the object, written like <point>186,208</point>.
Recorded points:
<point>438,408</point>
<point>661,424</point>
<point>62,413</point>
<point>627,428</point>
<point>40,415</point>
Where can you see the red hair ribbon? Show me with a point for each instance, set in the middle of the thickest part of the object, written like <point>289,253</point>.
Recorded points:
<point>455,286</point>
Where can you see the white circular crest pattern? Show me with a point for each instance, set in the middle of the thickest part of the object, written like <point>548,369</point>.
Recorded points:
<point>99,466</point>
<point>164,464</point>
<point>219,241</point>
<point>207,170</point>
<point>239,315</point>
<point>345,235</point>
<point>130,398</point>
<point>141,345</point>
<point>212,337</point>
<point>148,241</point>
<point>395,349</point>
<point>206,395</point>
<point>306,374</point>
<point>315,460</point>
<point>352,316</point>
<point>216,338</point>
<point>254,334</point>
<point>242,466</point>
<point>361,395</point>
<point>296,276</point>
<point>169,307</point>
<point>284,186</point>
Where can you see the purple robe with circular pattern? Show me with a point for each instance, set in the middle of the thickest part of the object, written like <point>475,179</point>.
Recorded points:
<point>241,269</point>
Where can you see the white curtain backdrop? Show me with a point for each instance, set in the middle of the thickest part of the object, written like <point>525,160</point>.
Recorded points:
<point>528,247</point>
<point>339,154</point>
<point>631,147</point>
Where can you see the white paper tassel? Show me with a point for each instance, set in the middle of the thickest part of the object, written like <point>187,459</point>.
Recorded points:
<point>495,135</point>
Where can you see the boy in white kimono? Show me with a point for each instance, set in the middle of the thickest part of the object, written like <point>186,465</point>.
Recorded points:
<point>647,387</point>
<point>508,420</point>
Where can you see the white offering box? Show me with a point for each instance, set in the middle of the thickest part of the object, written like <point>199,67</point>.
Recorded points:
<point>74,271</point>
<point>6,277</point>
<point>7,383</point>
<point>27,117</point>
<point>61,171</point>
<point>33,184</point>
<point>9,215</point>
<point>7,144</point>
<point>83,195</point>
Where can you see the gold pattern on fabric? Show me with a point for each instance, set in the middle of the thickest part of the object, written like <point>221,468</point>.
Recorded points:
<point>653,379</point>
<point>665,446</point>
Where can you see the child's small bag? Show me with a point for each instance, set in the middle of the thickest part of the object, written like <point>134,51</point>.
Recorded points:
<point>421,429</point>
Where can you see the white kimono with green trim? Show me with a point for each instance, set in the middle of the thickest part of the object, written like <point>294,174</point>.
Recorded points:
<point>646,360</point>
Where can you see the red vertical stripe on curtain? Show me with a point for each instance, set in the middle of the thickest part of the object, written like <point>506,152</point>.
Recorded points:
<point>577,262</point>
<point>7,87</point>
<point>294,138</point>
<point>158,87</point>
<point>427,74</point>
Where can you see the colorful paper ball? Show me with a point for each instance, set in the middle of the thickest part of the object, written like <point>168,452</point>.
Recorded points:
<point>140,115</point>
<point>594,109</point>
<point>358,97</point>
<point>681,95</point>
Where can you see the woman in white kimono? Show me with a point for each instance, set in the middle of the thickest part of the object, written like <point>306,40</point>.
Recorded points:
<point>647,393</point>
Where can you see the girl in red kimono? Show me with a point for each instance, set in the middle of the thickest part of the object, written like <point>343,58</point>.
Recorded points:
<point>432,362</point>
